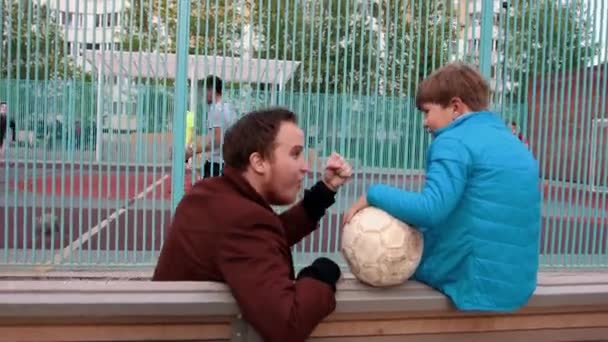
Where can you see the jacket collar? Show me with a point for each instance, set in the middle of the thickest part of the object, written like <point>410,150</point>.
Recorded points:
<point>242,185</point>
<point>482,115</point>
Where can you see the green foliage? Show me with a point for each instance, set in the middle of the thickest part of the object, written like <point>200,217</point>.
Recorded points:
<point>149,26</point>
<point>545,36</point>
<point>359,47</point>
<point>152,26</point>
<point>32,45</point>
<point>555,35</point>
<point>362,47</point>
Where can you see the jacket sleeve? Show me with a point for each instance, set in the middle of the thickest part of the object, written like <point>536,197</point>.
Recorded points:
<point>280,309</point>
<point>446,175</point>
<point>303,218</point>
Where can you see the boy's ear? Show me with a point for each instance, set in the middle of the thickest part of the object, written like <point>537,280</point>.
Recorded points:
<point>458,105</point>
<point>455,102</point>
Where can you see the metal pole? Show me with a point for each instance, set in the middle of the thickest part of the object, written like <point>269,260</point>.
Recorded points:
<point>505,6</point>
<point>99,117</point>
<point>485,44</point>
<point>179,122</point>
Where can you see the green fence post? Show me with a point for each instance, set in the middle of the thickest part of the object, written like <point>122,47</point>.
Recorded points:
<point>179,124</point>
<point>485,40</point>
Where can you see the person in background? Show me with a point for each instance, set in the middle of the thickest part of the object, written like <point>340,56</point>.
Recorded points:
<point>225,229</point>
<point>221,114</point>
<point>189,142</point>
<point>519,134</point>
<point>480,208</point>
<point>5,123</point>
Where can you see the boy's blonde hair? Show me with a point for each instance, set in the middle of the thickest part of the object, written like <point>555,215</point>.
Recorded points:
<point>455,79</point>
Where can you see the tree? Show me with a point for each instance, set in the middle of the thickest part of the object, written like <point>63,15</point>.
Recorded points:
<point>364,47</point>
<point>32,45</point>
<point>546,36</point>
<point>375,47</point>
<point>152,26</point>
<point>149,26</point>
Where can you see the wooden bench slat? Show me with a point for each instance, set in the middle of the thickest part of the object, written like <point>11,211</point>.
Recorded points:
<point>141,310</point>
<point>140,297</point>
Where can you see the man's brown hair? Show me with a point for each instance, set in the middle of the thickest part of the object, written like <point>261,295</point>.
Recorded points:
<point>254,132</point>
<point>454,80</point>
<point>211,82</point>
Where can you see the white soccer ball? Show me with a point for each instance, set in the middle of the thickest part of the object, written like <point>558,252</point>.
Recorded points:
<point>379,249</point>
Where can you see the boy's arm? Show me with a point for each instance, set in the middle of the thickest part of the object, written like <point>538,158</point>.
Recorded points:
<point>446,177</point>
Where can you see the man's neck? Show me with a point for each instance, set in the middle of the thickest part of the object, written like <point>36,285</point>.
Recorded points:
<point>255,183</point>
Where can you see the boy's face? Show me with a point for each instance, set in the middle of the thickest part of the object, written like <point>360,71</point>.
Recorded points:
<point>437,116</point>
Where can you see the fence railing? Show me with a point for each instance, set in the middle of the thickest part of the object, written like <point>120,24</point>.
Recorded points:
<point>96,96</point>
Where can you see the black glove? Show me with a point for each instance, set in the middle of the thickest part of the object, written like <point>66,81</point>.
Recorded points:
<point>317,199</point>
<point>322,269</point>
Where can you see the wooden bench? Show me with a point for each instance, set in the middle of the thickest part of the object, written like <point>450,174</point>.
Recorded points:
<point>567,306</point>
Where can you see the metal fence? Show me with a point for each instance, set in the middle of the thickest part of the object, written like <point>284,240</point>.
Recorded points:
<point>97,92</point>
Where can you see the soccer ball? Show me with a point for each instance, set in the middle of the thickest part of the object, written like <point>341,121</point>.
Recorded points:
<point>48,222</point>
<point>379,249</point>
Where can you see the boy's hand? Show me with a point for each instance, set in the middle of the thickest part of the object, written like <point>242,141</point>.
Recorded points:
<point>359,205</point>
<point>337,172</point>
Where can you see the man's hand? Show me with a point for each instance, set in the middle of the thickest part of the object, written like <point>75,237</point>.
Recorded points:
<point>359,205</point>
<point>324,270</point>
<point>337,172</point>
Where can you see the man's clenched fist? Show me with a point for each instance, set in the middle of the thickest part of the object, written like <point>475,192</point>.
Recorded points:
<point>337,172</point>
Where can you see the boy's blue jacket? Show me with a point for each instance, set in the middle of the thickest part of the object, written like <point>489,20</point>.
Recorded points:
<point>480,214</point>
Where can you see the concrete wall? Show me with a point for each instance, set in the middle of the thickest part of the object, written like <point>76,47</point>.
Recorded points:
<point>569,306</point>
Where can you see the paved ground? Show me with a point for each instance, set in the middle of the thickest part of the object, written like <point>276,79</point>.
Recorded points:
<point>120,215</point>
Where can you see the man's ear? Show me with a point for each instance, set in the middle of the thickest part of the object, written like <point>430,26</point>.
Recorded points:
<point>257,162</point>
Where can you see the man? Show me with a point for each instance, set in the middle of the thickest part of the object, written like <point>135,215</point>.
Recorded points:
<point>4,124</point>
<point>220,116</point>
<point>225,230</point>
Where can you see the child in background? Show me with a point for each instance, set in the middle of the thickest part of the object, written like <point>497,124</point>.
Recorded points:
<point>519,134</point>
<point>480,208</point>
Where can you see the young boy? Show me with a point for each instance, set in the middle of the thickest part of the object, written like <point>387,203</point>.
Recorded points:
<point>480,208</point>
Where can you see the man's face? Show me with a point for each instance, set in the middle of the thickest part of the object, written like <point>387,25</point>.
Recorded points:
<point>210,96</point>
<point>287,167</point>
<point>436,116</point>
<point>2,108</point>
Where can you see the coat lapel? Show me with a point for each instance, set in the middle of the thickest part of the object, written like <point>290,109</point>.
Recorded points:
<point>235,178</point>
